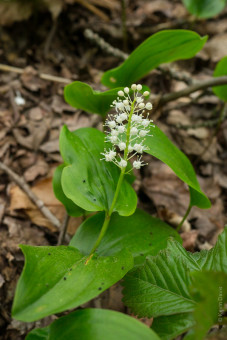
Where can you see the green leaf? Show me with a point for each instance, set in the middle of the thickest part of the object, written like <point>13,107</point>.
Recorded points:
<point>221,70</point>
<point>58,278</point>
<point>88,181</point>
<point>82,96</point>
<point>210,291</point>
<point>140,233</point>
<point>170,326</point>
<point>148,289</point>
<point>160,287</point>
<point>214,259</point>
<point>204,8</point>
<point>161,47</point>
<point>162,148</point>
<point>71,208</point>
<point>98,324</point>
<point>39,334</point>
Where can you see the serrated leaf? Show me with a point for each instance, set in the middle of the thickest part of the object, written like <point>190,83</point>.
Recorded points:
<point>161,47</point>
<point>71,208</point>
<point>170,326</point>
<point>204,8</point>
<point>162,148</point>
<point>58,278</point>
<point>160,287</point>
<point>221,70</point>
<point>210,291</point>
<point>140,233</point>
<point>88,181</point>
<point>97,324</point>
<point>214,259</point>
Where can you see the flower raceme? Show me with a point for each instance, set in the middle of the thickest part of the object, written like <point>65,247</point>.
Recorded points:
<point>128,128</point>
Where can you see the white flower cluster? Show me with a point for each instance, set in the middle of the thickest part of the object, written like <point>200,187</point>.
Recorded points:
<point>128,128</point>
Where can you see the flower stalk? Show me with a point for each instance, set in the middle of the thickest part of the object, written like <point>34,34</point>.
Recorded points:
<point>126,133</point>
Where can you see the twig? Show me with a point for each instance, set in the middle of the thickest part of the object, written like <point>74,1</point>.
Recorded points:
<point>124,28</point>
<point>192,88</point>
<point>64,226</point>
<point>44,76</point>
<point>25,187</point>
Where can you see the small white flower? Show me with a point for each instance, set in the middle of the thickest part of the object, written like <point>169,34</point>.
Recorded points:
<point>133,87</point>
<point>113,139</point>
<point>143,133</point>
<point>137,164</point>
<point>145,122</point>
<point>114,133</point>
<point>121,129</point>
<point>134,131</point>
<point>146,93</point>
<point>148,106</point>
<point>136,118</point>
<point>139,87</point>
<point>110,155</point>
<point>123,116</point>
<point>139,99</point>
<point>122,163</point>
<point>138,148</point>
<point>122,146</point>
<point>120,93</point>
<point>141,105</point>
<point>126,90</point>
<point>111,124</point>
<point>125,102</point>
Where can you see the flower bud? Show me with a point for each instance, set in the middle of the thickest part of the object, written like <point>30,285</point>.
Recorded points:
<point>148,106</point>
<point>133,87</point>
<point>120,93</point>
<point>126,90</point>
<point>139,87</point>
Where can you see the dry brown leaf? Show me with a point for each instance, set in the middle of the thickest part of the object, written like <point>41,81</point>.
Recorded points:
<point>44,191</point>
<point>189,239</point>
<point>165,189</point>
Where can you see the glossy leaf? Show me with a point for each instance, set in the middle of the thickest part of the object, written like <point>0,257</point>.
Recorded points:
<point>221,70</point>
<point>88,181</point>
<point>204,8</point>
<point>161,47</point>
<point>170,326</point>
<point>82,96</point>
<point>210,291</point>
<point>58,278</point>
<point>97,324</point>
<point>140,233</point>
<point>162,148</point>
<point>71,208</point>
<point>39,334</point>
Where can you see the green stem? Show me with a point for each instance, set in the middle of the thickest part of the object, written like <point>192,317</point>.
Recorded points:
<point>119,183</point>
<point>184,218</point>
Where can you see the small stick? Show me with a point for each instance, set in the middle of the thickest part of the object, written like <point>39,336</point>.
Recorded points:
<point>19,180</point>
<point>62,233</point>
<point>44,76</point>
<point>192,88</point>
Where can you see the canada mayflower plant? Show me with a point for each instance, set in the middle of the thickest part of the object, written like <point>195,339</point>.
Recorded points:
<point>128,128</point>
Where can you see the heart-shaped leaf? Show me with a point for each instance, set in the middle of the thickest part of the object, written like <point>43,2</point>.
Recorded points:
<point>82,96</point>
<point>204,8</point>
<point>71,208</point>
<point>58,278</point>
<point>140,233</point>
<point>221,70</point>
<point>95,324</point>
<point>162,148</point>
<point>161,47</point>
<point>88,181</point>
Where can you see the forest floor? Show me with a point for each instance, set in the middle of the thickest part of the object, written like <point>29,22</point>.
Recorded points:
<point>29,132</point>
